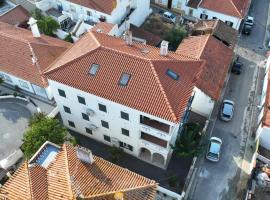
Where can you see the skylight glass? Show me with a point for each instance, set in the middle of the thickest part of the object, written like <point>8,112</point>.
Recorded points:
<point>124,79</point>
<point>94,68</point>
<point>172,74</point>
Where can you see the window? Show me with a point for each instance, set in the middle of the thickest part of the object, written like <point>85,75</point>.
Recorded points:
<point>67,109</point>
<point>85,116</point>
<point>23,84</point>
<point>172,74</point>
<point>81,100</point>
<point>124,79</point>
<point>88,130</point>
<point>124,115</point>
<point>126,146</point>
<point>104,124</point>
<point>88,13</point>
<point>70,123</point>
<point>190,12</point>
<point>94,69</point>
<point>204,16</point>
<point>61,93</point>
<point>7,78</point>
<point>107,138</point>
<point>214,17</point>
<point>229,23</point>
<point>72,8</point>
<point>102,107</point>
<point>125,132</point>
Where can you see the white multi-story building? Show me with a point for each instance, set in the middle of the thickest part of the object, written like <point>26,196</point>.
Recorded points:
<point>231,12</point>
<point>133,96</point>
<point>25,55</point>
<point>79,16</point>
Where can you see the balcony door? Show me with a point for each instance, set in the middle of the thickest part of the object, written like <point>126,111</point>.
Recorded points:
<point>169,4</point>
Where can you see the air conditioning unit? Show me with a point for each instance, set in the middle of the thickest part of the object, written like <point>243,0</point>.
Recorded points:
<point>93,127</point>
<point>90,112</point>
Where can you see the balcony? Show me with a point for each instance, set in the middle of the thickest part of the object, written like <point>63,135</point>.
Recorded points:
<point>127,15</point>
<point>153,147</point>
<point>154,140</point>
<point>165,128</point>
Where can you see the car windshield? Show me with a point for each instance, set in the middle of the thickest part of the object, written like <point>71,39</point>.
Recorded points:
<point>249,20</point>
<point>212,155</point>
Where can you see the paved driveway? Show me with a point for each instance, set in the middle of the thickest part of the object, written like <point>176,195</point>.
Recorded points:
<point>14,116</point>
<point>221,179</point>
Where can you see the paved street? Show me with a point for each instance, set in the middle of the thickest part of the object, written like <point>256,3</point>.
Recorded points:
<point>221,179</point>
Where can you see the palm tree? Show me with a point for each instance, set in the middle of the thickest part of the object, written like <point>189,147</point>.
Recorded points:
<point>48,25</point>
<point>187,145</point>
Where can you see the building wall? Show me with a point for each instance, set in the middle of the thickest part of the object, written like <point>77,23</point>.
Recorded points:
<point>25,85</point>
<point>202,104</point>
<point>264,135</point>
<point>112,116</point>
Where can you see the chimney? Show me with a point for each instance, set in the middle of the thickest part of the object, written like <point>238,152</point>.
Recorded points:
<point>85,155</point>
<point>34,28</point>
<point>128,38</point>
<point>164,48</point>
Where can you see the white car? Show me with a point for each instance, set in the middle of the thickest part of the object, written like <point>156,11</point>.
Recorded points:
<point>213,152</point>
<point>249,21</point>
<point>227,109</point>
<point>169,17</point>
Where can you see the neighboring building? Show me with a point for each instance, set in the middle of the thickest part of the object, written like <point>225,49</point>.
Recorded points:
<point>17,16</point>
<point>23,58</point>
<point>263,127</point>
<point>78,16</point>
<point>67,172</point>
<point>218,58</point>
<point>232,12</point>
<point>107,28</point>
<point>134,96</point>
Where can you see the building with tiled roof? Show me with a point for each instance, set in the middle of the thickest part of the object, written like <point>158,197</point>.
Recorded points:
<point>16,16</point>
<point>69,172</point>
<point>218,57</point>
<point>79,16</point>
<point>107,28</point>
<point>25,57</point>
<point>134,96</point>
<point>232,12</point>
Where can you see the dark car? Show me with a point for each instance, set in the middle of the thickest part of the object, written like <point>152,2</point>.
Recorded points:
<point>237,67</point>
<point>247,29</point>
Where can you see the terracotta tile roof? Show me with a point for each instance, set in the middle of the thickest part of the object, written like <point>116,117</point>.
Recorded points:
<point>105,6</point>
<point>15,16</point>
<point>20,46</point>
<point>236,8</point>
<point>218,58</point>
<point>217,28</point>
<point>149,90</point>
<point>193,3</point>
<point>103,27</point>
<point>150,38</point>
<point>67,177</point>
<point>266,116</point>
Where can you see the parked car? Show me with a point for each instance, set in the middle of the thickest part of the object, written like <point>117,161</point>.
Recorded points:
<point>247,29</point>
<point>213,152</point>
<point>169,17</point>
<point>249,21</point>
<point>237,66</point>
<point>227,109</point>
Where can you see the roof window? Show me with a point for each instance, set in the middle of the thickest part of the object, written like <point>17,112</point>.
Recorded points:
<point>172,74</point>
<point>94,69</point>
<point>124,79</point>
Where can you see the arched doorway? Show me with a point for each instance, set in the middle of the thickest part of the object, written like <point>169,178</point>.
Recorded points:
<point>158,159</point>
<point>145,154</point>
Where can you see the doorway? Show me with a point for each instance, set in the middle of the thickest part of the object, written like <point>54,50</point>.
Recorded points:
<point>169,4</point>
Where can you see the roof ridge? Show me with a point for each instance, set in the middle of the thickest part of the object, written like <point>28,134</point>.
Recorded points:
<point>236,8</point>
<point>29,179</point>
<point>201,49</point>
<point>162,90</point>
<point>67,170</point>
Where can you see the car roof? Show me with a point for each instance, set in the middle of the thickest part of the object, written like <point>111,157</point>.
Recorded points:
<point>249,17</point>
<point>227,108</point>
<point>214,146</point>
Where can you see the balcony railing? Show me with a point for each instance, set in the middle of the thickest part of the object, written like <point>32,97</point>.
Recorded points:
<point>155,124</point>
<point>153,147</point>
<point>155,132</point>
<point>154,140</point>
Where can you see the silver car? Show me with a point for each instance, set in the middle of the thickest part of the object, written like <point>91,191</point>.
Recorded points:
<point>169,17</point>
<point>226,112</point>
<point>213,152</point>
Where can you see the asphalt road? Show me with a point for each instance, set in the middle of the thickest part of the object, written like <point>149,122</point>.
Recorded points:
<point>218,181</point>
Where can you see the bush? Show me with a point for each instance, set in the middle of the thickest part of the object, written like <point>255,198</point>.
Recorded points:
<point>48,25</point>
<point>69,38</point>
<point>37,14</point>
<point>116,154</point>
<point>175,36</point>
<point>173,181</point>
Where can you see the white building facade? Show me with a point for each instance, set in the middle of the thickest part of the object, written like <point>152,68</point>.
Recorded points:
<point>84,18</point>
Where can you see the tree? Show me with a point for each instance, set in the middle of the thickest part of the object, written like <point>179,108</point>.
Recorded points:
<point>48,25</point>
<point>69,38</point>
<point>188,144</point>
<point>37,14</point>
<point>175,36</point>
<point>116,154</point>
<point>42,129</point>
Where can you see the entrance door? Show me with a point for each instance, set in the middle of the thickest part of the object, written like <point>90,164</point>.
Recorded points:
<point>169,4</point>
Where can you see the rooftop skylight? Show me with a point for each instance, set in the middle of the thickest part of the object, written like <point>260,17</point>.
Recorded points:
<point>94,68</point>
<point>124,79</point>
<point>172,74</point>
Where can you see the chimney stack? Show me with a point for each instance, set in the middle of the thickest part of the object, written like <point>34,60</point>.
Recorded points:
<point>164,48</point>
<point>34,28</point>
<point>85,155</point>
<point>128,38</point>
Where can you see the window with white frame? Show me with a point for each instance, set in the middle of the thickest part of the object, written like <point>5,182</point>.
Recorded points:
<point>7,78</point>
<point>23,84</point>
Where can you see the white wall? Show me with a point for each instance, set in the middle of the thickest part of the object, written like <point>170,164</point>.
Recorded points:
<point>202,103</point>
<point>112,117</point>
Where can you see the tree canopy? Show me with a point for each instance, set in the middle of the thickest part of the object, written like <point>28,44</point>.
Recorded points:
<point>42,129</point>
<point>175,36</point>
